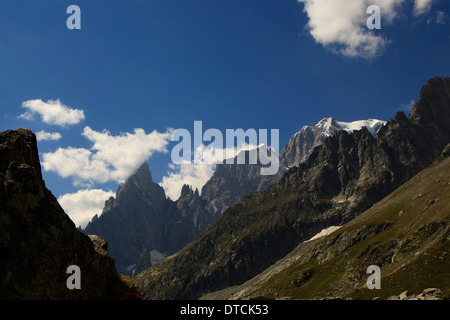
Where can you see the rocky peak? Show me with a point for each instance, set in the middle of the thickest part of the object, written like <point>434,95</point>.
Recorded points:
<point>140,223</point>
<point>19,146</point>
<point>143,173</point>
<point>139,184</point>
<point>186,190</point>
<point>303,142</point>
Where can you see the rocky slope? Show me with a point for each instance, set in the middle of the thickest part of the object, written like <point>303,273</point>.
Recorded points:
<point>38,241</point>
<point>407,234</point>
<point>303,142</point>
<point>341,179</point>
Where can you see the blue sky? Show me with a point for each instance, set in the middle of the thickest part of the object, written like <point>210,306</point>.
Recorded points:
<point>155,65</point>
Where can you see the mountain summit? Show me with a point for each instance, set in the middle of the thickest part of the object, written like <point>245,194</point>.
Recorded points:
<point>303,142</point>
<point>142,226</point>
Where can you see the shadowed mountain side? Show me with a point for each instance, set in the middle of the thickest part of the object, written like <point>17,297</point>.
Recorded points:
<point>38,241</point>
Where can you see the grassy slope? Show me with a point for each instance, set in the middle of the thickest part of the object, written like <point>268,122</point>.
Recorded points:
<point>406,235</point>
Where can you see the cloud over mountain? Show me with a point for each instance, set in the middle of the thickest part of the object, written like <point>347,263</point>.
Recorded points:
<point>111,158</point>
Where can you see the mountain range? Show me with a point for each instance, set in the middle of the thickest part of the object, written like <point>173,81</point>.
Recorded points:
<point>342,178</point>
<point>369,193</point>
<point>406,235</point>
<point>303,142</point>
<point>143,227</point>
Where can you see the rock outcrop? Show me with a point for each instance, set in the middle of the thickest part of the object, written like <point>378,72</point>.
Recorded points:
<point>427,294</point>
<point>38,241</point>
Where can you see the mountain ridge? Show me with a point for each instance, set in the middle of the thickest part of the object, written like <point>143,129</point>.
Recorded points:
<point>195,210</point>
<point>302,143</point>
<point>406,234</point>
<point>342,178</point>
<point>141,223</point>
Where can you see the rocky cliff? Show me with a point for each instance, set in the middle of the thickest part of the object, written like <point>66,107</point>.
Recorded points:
<point>341,179</point>
<point>38,241</point>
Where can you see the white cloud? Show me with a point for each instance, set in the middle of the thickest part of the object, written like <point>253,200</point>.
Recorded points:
<point>422,6</point>
<point>43,136</point>
<point>52,112</point>
<point>340,25</point>
<point>218,155</point>
<point>82,205</point>
<point>111,158</point>
<point>195,175</point>
<point>126,151</point>
<point>78,163</point>
<point>26,116</point>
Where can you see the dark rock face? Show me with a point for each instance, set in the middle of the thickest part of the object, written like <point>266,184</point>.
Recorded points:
<point>343,177</point>
<point>38,241</point>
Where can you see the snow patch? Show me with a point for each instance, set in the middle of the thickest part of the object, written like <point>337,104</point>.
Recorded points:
<point>330,126</point>
<point>324,233</point>
<point>373,125</point>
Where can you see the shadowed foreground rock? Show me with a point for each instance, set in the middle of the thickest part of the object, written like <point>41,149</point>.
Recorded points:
<point>38,241</point>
